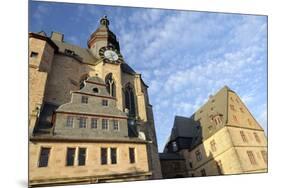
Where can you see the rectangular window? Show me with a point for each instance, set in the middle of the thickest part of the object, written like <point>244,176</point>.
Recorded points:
<point>115,125</point>
<point>81,156</point>
<point>33,54</point>
<point>113,155</point>
<point>132,155</point>
<point>105,102</point>
<point>213,146</point>
<point>198,155</point>
<point>84,99</point>
<point>232,107</point>
<point>241,110</point>
<point>249,122</point>
<point>264,156</point>
<point>190,165</point>
<point>103,156</point>
<point>44,157</point>
<point>203,172</point>
<point>235,118</point>
<point>243,136</point>
<point>257,137</point>
<point>70,156</point>
<point>82,122</point>
<point>69,121</point>
<point>104,124</point>
<point>94,123</point>
<point>251,157</point>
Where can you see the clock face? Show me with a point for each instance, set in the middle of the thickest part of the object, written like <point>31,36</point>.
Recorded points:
<point>110,55</point>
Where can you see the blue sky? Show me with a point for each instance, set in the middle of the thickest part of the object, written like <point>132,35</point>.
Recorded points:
<point>183,56</point>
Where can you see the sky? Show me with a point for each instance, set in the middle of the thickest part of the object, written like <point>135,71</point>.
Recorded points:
<point>183,56</point>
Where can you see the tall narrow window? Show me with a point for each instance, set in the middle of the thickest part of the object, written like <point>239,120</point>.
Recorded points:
<point>84,99</point>
<point>81,156</point>
<point>94,123</point>
<point>82,122</point>
<point>104,125</point>
<point>203,172</point>
<point>115,125</point>
<point>132,155</point>
<point>103,156</point>
<point>235,119</point>
<point>44,157</point>
<point>243,136</point>
<point>264,156</point>
<point>198,155</point>
<point>110,85</point>
<point>130,100</point>
<point>257,137</point>
<point>241,110</point>
<point>213,146</point>
<point>113,155</point>
<point>232,107</point>
<point>69,122</point>
<point>251,157</point>
<point>70,156</point>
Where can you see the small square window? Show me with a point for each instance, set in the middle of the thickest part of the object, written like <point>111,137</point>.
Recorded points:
<point>232,107</point>
<point>33,54</point>
<point>105,102</point>
<point>84,99</point>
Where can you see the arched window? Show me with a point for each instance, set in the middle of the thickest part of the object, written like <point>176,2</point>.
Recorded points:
<point>130,100</point>
<point>110,85</point>
<point>83,78</point>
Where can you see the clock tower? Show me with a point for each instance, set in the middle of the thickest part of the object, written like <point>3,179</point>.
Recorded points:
<point>103,38</point>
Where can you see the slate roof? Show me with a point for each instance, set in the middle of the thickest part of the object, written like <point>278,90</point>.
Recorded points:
<point>184,127</point>
<point>82,53</point>
<point>170,156</point>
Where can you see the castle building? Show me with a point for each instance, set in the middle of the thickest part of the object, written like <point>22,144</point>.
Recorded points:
<point>90,119</point>
<point>221,137</point>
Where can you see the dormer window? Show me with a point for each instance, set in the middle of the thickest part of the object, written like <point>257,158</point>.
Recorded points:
<point>95,90</point>
<point>174,145</point>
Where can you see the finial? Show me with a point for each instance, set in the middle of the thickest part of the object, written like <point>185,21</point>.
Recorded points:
<point>104,21</point>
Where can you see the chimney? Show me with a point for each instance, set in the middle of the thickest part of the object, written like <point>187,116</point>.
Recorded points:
<point>57,36</point>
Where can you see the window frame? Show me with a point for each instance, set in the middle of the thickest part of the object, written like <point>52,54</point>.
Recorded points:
<point>132,155</point>
<point>251,157</point>
<point>243,136</point>
<point>104,102</point>
<point>82,122</point>
<point>104,126</point>
<point>113,158</point>
<point>94,125</point>
<point>41,162</point>
<point>72,156</point>
<point>82,157</point>
<point>84,99</point>
<point>115,125</point>
<point>104,156</point>
<point>69,121</point>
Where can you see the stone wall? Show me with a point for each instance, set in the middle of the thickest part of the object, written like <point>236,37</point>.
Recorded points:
<point>57,168</point>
